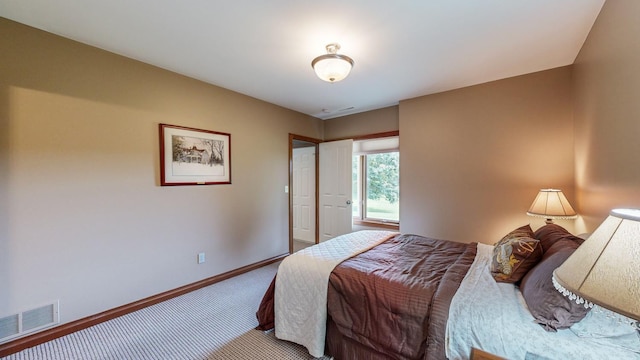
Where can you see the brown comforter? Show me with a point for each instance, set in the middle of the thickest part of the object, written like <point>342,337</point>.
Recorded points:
<point>392,301</point>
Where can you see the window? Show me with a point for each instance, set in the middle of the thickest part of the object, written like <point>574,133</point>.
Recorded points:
<point>376,181</point>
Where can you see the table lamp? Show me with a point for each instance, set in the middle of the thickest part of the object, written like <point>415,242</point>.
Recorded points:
<point>551,204</point>
<point>605,270</point>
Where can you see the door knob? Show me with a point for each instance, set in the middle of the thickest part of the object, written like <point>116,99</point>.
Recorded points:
<point>348,202</point>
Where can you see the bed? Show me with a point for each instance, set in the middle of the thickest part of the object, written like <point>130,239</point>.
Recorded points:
<point>384,295</point>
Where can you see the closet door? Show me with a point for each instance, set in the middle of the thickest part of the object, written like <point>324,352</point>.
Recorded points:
<point>304,194</point>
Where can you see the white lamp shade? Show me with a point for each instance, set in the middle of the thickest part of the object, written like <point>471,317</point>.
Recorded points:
<point>605,269</point>
<point>551,204</point>
<point>332,67</point>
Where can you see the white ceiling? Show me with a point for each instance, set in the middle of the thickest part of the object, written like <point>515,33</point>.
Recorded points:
<point>402,49</point>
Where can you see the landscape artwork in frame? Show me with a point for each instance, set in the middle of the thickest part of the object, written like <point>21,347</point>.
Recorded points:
<point>194,157</point>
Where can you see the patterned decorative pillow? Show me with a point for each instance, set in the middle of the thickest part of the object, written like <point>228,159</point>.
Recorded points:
<point>522,231</point>
<point>514,255</point>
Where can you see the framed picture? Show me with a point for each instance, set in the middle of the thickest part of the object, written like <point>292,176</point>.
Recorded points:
<point>194,157</point>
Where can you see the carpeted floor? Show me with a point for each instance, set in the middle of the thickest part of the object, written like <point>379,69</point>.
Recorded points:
<point>299,245</point>
<point>216,322</point>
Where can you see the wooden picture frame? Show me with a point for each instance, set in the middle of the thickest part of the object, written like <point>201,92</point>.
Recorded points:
<point>194,157</point>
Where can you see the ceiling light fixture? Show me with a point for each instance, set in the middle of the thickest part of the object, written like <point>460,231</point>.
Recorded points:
<point>332,67</point>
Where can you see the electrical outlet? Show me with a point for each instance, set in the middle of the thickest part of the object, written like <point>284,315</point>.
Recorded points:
<point>200,258</point>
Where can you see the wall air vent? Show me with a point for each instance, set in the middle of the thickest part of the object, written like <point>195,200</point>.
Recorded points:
<point>9,326</point>
<point>17,325</point>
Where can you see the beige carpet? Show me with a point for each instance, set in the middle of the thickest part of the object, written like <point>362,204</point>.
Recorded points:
<point>216,322</point>
<point>299,245</point>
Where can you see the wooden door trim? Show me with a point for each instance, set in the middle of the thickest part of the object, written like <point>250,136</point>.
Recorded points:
<point>293,137</point>
<point>369,136</point>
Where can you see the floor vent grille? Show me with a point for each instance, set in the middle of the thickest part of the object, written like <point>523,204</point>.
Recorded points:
<point>17,325</point>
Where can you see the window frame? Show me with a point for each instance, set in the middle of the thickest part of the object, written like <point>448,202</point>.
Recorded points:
<point>361,219</point>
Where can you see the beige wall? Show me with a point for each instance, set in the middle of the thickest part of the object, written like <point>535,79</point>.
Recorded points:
<point>370,122</point>
<point>82,216</point>
<point>473,159</point>
<point>607,113</point>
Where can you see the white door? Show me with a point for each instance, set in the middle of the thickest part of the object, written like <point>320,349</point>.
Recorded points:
<point>304,194</point>
<point>335,215</point>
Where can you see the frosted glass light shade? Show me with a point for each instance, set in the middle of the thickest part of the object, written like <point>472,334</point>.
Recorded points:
<point>605,270</point>
<point>551,204</point>
<point>332,67</point>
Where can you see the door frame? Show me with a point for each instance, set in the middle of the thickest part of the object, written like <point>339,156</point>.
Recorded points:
<point>317,142</point>
<point>293,137</point>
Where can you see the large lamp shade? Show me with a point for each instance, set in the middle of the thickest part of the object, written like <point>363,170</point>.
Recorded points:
<point>605,269</point>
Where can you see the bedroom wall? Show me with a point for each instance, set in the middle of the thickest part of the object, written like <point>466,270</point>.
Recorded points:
<point>473,159</point>
<point>365,123</point>
<point>607,113</point>
<point>82,216</point>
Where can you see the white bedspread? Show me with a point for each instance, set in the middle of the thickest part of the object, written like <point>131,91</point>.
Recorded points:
<point>494,317</point>
<point>301,287</point>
